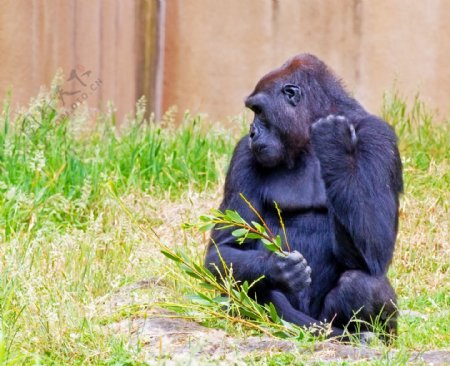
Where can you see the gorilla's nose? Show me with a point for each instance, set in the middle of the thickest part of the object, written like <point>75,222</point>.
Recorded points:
<point>255,103</point>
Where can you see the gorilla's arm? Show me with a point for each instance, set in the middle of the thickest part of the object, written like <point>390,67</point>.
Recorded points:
<point>250,260</point>
<point>247,260</point>
<point>361,167</point>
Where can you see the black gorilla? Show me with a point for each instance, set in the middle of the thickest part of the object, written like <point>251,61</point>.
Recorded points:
<point>335,172</point>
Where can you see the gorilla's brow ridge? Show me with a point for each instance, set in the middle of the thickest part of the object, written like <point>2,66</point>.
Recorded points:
<point>299,62</point>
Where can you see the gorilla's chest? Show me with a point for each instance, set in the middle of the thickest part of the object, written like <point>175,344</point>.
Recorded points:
<point>298,189</point>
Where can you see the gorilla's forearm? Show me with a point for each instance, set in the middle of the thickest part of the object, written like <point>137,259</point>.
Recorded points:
<point>244,265</point>
<point>360,161</point>
<point>290,273</point>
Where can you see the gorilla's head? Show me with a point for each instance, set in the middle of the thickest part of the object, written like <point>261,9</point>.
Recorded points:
<point>286,102</point>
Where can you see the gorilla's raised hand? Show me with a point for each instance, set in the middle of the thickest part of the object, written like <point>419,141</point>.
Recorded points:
<point>333,134</point>
<point>290,273</point>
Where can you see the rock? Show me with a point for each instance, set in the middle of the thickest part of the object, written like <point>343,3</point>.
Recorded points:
<point>163,335</point>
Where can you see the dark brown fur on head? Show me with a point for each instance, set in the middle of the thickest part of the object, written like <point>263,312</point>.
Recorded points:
<point>303,62</point>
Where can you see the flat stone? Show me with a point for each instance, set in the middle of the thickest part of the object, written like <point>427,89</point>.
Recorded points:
<point>163,335</point>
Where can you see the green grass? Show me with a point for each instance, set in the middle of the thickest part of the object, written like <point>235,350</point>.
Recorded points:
<point>69,252</point>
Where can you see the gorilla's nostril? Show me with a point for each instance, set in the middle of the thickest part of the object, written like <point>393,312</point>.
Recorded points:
<point>252,131</point>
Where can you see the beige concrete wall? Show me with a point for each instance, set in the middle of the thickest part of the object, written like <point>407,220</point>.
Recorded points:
<point>115,40</point>
<point>217,50</point>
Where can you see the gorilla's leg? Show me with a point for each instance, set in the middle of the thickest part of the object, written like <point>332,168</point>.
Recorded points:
<point>363,297</point>
<point>287,312</point>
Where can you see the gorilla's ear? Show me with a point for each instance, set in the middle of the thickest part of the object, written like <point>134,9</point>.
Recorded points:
<point>292,93</point>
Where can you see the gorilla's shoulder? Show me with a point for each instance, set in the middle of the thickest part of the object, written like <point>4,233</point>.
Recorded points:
<point>380,140</point>
<point>242,165</point>
<point>377,127</point>
<point>242,155</point>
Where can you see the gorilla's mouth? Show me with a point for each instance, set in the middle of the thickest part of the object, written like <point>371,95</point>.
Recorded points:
<point>266,156</point>
<point>259,149</point>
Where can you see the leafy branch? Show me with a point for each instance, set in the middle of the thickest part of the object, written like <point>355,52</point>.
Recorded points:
<point>244,230</point>
<point>223,297</point>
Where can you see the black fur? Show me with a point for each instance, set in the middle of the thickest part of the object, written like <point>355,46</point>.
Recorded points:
<point>336,174</point>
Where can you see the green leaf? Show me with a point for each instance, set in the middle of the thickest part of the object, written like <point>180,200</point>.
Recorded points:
<point>239,232</point>
<point>217,213</point>
<point>248,314</point>
<point>174,307</point>
<point>189,272</point>
<point>171,256</point>
<point>186,226</point>
<point>245,286</point>
<point>207,286</point>
<point>184,256</point>
<point>206,227</point>
<point>253,236</point>
<point>207,272</point>
<point>206,218</point>
<point>221,299</point>
<point>198,267</point>
<point>234,216</point>
<point>259,227</point>
<point>278,241</point>
<point>266,242</point>
<point>192,274</point>
<point>271,247</point>
<point>273,313</point>
<point>282,335</point>
<point>200,299</point>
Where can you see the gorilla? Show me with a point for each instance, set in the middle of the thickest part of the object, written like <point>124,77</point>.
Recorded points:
<point>335,172</point>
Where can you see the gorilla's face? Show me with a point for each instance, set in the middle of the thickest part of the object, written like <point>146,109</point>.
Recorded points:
<point>265,139</point>
<point>286,102</point>
<point>276,132</point>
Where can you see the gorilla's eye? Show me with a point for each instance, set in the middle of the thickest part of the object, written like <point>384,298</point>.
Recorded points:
<point>292,93</point>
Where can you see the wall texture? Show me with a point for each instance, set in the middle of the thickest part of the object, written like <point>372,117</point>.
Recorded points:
<point>217,50</point>
<point>114,40</point>
<point>207,55</point>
